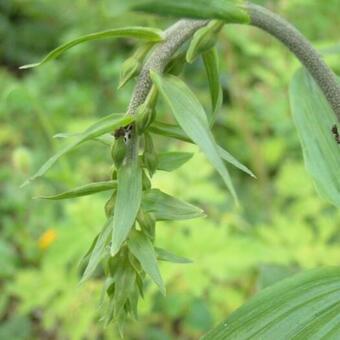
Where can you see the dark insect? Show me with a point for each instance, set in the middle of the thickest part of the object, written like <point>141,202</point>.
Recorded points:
<point>124,132</point>
<point>336,133</point>
<point>119,133</point>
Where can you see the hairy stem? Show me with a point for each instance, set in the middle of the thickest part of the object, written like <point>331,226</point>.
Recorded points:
<point>176,36</point>
<point>300,46</point>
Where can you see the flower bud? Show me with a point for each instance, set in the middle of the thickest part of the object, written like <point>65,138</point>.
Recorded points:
<point>132,66</point>
<point>118,152</point>
<point>204,39</point>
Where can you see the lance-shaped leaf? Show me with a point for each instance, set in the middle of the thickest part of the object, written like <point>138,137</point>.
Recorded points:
<point>106,139</point>
<point>192,118</point>
<point>97,251</point>
<point>142,248</point>
<point>304,306</point>
<point>226,10</point>
<point>144,33</point>
<point>128,200</point>
<point>170,161</point>
<point>164,255</point>
<point>211,64</point>
<point>165,207</point>
<point>83,190</point>
<point>174,131</point>
<point>314,119</point>
<point>102,126</point>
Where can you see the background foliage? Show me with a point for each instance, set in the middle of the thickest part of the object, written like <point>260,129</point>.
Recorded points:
<point>282,227</point>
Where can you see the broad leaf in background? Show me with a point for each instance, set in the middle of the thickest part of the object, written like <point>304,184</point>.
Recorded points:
<point>142,248</point>
<point>165,207</point>
<point>314,119</point>
<point>192,118</point>
<point>83,190</point>
<point>211,64</point>
<point>144,33</point>
<point>170,161</point>
<point>97,251</point>
<point>174,131</point>
<point>128,200</point>
<point>164,255</point>
<point>226,10</point>
<point>101,127</point>
<point>304,306</point>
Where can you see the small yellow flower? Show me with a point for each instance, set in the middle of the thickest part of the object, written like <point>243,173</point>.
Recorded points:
<point>47,238</point>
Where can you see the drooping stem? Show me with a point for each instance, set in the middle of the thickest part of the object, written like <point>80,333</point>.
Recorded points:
<point>176,36</point>
<point>300,46</point>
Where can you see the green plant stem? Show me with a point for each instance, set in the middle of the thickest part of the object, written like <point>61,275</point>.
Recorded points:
<point>176,36</point>
<point>301,47</point>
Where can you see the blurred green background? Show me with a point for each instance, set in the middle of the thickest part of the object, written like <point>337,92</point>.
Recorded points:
<point>282,227</point>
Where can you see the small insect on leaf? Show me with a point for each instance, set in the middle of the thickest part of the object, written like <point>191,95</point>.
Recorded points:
<point>314,119</point>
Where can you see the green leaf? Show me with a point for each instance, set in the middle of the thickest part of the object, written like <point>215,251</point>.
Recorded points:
<point>226,10</point>
<point>98,251</point>
<point>106,139</point>
<point>228,157</point>
<point>174,131</point>
<point>170,161</point>
<point>314,119</point>
<point>211,64</point>
<point>165,207</point>
<point>143,33</point>
<point>169,130</point>
<point>128,200</point>
<point>102,126</point>
<point>142,248</point>
<point>83,190</point>
<point>164,255</point>
<point>190,115</point>
<point>304,306</point>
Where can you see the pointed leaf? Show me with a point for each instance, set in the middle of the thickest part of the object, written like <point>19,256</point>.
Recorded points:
<point>164,255</point>
<point>128,200</point>
<point>174,131</point>
<point>98,251</point>
<point>165,207</point>
<point>304,306</point>
<point>106,139</point>
<point>228,157</point>
<point>170,161</point>
<point>211,64</point>
<point>226,10</point>
<point>314,119</point>
<point>144,33</point>
<point>142,248</point>
<point>190,115</point>
<point>102,126</point>
<point>83,190</point>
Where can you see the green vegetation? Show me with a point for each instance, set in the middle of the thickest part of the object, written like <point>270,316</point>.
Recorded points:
<point>228,252</point>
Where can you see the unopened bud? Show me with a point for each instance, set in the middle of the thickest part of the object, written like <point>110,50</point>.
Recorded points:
<point>203,40</point>
<point>118,152</point>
